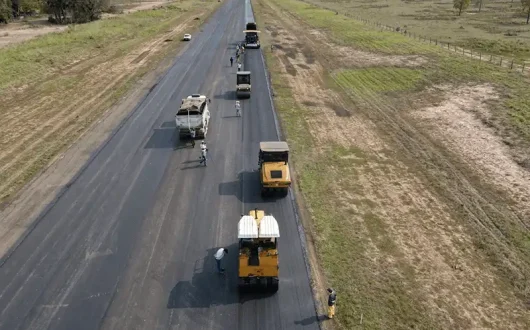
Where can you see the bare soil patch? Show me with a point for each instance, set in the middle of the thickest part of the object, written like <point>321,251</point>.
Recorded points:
<point>455,122</point>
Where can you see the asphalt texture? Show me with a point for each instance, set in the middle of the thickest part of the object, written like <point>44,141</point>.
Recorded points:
<point>130,244</point>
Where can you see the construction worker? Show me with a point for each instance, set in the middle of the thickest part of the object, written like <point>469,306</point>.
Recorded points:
<point>192,134</point>
<point>332,299</point>
<point>204,151</point>
<point>238,109</point>
<point>238,66</point>
<point>231,61</point>
<point>218,256</point>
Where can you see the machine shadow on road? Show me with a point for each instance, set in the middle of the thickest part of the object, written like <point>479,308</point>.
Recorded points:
<point>228,95</point>
<point>164,137</point>
<point>249,182</point>
<point>207,287</point>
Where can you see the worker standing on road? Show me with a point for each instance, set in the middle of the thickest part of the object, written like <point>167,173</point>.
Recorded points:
<point>192,134</point>
<point>204,152</point>
<point>218,256</point>
<point>238,109</point>
<point>231,61</point>
<point>332,299</point>
<point>238,66</point>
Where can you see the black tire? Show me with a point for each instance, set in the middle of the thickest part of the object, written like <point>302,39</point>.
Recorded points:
<point>274,285</point>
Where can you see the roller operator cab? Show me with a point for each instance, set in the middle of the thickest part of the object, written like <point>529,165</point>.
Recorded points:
<point>258,252</point>
<point>251,36</point>
<point>243,86</point>
<point>274,168</point>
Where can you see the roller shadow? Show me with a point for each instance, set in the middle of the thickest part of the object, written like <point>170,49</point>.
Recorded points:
<point>228,95</point>
<point>207,287</point>
<point>164,137</point>
<point>246,188</point>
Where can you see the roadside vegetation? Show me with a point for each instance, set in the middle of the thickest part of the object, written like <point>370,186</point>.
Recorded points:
<point>412,164</point>
<point>54,87</point>
<point>497,27</point>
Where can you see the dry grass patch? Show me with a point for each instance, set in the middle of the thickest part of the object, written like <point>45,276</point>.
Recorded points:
<point>56,86</point>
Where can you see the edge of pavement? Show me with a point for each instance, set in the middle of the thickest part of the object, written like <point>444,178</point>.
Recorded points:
<point>295,203</point>
<point>108,125</point>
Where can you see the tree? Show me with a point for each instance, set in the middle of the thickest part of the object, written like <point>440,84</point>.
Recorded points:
<point>76,11</point>
<point>28,6</point>
<point>6,11</point>
<point>479,3</point>
<point>462,5</point>
<point>526,7</point>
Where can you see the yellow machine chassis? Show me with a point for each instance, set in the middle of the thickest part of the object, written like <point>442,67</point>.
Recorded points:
<point>265,275</point>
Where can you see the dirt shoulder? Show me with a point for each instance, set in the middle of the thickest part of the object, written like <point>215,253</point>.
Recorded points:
<point>410,164</point>
<point>49,137</point>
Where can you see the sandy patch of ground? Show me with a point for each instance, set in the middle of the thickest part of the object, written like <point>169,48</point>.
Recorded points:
<point>431,252</point>
<point>355,58</point>
<point>455,123</point>
<point>17,32</point>
<point>32,131</point>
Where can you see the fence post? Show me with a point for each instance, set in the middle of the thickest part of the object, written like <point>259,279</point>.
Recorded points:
<point>523,67</point>
<point>436,42</point>
<point>491,58</point>
<point>463,51</point>
<point>511,65</point>
<point>480,56</point>
<point>501,62</point>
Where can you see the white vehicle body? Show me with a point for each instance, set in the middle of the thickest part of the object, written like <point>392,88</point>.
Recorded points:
<point>187,37</point>
<point>193,115</point>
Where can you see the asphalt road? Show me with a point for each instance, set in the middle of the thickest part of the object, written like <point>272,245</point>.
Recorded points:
<point>130,245</point>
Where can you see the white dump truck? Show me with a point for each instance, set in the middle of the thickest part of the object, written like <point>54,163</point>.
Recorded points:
<point>193,116</point>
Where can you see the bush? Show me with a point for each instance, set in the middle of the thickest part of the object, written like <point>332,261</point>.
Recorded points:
<point>6,11</point>
<point>73,11</point>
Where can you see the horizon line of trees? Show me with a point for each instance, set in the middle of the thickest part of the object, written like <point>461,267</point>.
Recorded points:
<point>59,11</point>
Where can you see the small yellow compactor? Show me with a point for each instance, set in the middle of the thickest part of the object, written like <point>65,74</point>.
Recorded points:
<point>274,168</point>
<point>258,252</point>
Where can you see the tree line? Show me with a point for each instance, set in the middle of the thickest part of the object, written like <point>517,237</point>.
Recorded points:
<point>462,5</point>
<point>59,11</point>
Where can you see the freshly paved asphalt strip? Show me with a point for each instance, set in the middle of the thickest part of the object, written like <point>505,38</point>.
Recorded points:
<point>130,245</point>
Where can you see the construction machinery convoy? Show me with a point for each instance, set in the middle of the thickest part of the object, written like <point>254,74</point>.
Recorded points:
<point>193,117</point>
<point>243,86</point>
<point>251,36</point>
<point>258,251</point>
<point>274,168</point>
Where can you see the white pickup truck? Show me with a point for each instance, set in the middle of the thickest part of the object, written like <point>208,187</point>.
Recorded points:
<point>193,115</point>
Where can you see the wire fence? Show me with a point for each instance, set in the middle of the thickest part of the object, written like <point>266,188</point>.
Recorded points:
<point>522,67</point>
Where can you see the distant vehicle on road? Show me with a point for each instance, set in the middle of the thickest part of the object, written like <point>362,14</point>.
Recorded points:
<point>251,36</point>
<point>193,117</point>
<point>187,37</point>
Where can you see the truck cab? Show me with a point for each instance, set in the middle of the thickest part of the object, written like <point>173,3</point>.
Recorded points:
<point>274,168</point>
<point>251,36</point>
<point>243,86</point>
<point>193,115</point>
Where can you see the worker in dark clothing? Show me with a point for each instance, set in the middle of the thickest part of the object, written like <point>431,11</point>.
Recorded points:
<point>332,299</point>
<point>231,61</point>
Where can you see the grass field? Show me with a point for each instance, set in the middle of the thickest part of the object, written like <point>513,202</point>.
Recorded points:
<point>413,167</point>
<point>499,28</point>
<point>55,86</point>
